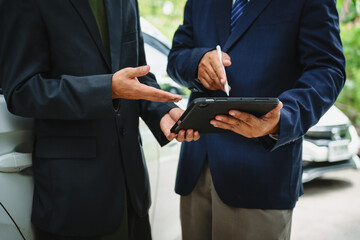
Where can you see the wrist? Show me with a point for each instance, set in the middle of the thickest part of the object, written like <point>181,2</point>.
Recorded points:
<point>114,93</point>
<point>274,133</point>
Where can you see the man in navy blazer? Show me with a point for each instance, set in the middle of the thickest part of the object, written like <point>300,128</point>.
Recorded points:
<point>276,48</point>
<point>78,68</point>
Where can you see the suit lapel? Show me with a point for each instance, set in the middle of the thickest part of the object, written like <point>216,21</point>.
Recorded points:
<point>252,10</point>
<point>114,19</point>
<point>84,10</point>
<point>222,19</point>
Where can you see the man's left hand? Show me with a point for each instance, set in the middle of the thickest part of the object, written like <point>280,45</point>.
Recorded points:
<point>248,125</point>
<point>169,119</point>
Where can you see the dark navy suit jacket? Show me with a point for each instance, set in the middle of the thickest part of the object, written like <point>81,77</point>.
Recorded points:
<point>288,49</point>
<point>54,68</point>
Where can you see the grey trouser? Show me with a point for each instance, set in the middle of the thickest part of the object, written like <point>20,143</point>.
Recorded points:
<point>204,216</point>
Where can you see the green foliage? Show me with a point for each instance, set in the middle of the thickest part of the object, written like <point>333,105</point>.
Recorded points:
<point>349,10</point>
<point>153,11</point>
<point>349,99</point>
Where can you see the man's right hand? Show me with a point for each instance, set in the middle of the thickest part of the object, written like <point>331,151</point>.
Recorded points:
<point>210,71</point>
<point>125,85</point>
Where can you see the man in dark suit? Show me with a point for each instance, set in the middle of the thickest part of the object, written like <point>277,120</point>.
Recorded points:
<point>78,68</point>
<point>271,48</point>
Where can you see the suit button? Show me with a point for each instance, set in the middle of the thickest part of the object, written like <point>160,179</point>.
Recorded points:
<point>122,132</point>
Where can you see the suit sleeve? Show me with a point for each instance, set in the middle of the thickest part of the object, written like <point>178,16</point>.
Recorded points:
<point>323,63</point>
<point>25,66</point>
<point>184,57</point>
<point>152,112</point>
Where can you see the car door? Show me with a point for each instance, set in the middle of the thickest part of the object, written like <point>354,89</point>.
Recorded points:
<point>16,180</point>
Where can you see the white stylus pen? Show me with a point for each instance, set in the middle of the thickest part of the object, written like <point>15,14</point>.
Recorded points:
<point>226,85</point>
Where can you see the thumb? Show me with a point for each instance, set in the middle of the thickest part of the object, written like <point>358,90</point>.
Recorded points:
<point>138,71</point>
<point>275,110</point>
<point>176,113</point>
<point>226,59</point>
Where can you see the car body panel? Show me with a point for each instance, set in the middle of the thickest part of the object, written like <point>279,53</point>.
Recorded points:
<point>7,227</point>
<point>16,196</point>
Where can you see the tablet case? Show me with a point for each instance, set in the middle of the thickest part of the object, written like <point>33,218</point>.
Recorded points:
<point>202,110</point>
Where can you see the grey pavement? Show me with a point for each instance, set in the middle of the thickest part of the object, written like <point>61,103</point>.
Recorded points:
<point>329,209</point>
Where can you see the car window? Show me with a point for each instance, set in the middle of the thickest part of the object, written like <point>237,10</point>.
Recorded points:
<point>157,44</point>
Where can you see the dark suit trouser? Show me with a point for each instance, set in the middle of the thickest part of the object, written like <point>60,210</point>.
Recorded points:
<point>132,227</point>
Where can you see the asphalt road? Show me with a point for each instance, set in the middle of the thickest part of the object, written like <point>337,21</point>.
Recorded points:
<point>329,209</point>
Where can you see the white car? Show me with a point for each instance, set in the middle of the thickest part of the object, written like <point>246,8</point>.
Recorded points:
<point>330,145</point>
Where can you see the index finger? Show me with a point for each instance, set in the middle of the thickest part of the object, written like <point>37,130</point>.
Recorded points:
<point>220,72</point>
<point>219,68</point>
<point>247,118</point>
<point>156,95</point>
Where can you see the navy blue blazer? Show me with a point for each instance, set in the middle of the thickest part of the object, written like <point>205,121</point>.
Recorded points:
<point>279,48</point>
<point>54,68</point>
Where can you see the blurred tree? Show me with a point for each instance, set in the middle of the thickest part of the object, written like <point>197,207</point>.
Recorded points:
<point>166,15</point>
<point>349,99</point>
<point>348,10</point>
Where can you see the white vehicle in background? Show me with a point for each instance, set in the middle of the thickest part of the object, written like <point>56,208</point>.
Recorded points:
<point>16,180</point>
<point>330,145</point>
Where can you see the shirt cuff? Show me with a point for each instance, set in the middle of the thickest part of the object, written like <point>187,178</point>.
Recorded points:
<point>274,136</point>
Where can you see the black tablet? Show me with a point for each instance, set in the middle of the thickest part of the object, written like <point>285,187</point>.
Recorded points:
<point>202,110</point>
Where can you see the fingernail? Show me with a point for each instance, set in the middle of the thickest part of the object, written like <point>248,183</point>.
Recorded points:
<point>227,61</point>
<point>218,118</point>
<point>232,114</point>
<point>144,69</point>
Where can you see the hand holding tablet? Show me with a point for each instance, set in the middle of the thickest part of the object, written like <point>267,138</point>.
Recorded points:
<point>203,110</point>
